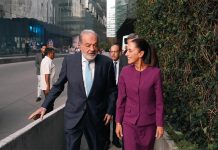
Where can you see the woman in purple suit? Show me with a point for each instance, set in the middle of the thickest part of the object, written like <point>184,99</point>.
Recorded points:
<point>140,107</point>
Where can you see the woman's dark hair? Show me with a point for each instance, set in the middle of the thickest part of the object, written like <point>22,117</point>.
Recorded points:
<point>150,56</point>
<point>154,58</point>
<point>43,45</point>
<point>48,50</point>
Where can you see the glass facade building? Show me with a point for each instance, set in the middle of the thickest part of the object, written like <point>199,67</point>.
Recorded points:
<point>37,21</point>
<point>125,16</point>
<point>76,15</point>
<point>41,10</point>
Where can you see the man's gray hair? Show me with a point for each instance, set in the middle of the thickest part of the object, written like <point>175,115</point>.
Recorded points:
<point>87,31</point>
<point>132,36</point>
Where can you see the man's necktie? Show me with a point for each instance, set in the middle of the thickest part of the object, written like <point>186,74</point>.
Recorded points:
<point>115,69</point>
<point>88,78</point>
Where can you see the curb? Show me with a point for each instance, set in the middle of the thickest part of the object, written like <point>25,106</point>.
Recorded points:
<point>23,59</point>
<point>165,143</point>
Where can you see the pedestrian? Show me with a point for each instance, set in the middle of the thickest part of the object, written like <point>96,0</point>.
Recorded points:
<point>140,108</point>
<point>115,52</point>
<point>91,94</point>
<point>47,74</point>
<point>38,60</point>
<point>27,48</point>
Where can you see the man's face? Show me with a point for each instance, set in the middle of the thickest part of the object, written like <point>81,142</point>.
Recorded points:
<point>115,52</point>
<point>89,46</point>
<point>51,55</point>
<point>76,42</point>
<point>43,49</point>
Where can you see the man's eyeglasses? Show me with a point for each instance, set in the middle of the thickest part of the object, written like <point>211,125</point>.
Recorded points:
<point>114,51</point>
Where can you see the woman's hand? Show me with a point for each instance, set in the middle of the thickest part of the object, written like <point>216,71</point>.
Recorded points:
<point>119,131</point>
<point>159,132</point>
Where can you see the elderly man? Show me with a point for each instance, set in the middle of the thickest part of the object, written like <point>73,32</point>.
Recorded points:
<point>91,94</point>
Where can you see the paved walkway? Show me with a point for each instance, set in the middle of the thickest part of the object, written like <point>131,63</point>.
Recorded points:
<point>22,58</point>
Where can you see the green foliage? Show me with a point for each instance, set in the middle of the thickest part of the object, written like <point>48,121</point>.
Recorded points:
<point>179,138</point>
<point>184,145</point>
<point>183,32</point>
<point>105,46</point>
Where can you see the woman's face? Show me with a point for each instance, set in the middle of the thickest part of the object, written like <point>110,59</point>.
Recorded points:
<point>133,53</point>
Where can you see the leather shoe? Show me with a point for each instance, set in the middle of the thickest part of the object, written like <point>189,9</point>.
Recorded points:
<point>107,145</point>
<point>117,144</point>
<point>38,99</point>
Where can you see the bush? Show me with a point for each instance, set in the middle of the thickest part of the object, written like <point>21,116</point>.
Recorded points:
<point>105,46</point>
<point>184,34</point>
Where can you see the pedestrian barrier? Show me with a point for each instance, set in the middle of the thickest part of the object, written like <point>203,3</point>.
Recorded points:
<point>48,134</point>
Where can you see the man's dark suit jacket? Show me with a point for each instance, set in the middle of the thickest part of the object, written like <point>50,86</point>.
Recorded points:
<point>123,62</point>
<point>38,60</point>
<point>101,99</point>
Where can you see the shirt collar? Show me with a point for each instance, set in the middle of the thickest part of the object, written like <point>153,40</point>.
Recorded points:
<point>116,61</point>
<point>83,59</point>
<point>48,58</point>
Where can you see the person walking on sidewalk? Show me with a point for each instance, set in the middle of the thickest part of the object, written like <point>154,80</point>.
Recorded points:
<point>27,49</point>
<point>47,74</point>
<point>91,94</point>
<point>38,59</point>
<point>115,52</point>
<point>140,106</point>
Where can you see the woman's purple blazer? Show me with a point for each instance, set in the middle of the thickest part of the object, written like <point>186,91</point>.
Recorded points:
<point>140,97</point>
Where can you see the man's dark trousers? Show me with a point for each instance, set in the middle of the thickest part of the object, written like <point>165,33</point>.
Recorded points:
<point>87,127</point>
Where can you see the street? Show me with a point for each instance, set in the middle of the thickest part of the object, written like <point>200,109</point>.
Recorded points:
<point>18,94</point>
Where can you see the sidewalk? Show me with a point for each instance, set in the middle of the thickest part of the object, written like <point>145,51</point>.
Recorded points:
<point>14,59</point>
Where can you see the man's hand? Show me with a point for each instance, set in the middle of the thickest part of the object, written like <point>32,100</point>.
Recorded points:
<point>119,131</point>
<point>107,118</point>
<point>39,113</point>
<point>159,132</point>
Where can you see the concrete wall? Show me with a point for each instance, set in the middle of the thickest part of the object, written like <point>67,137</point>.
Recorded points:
<point>49,135</point>
<point>39,135</point>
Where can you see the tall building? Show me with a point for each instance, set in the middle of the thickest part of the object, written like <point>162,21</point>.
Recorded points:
<point>125,16</point>
<point>121,15</point>
<point>95,17</point>
<point>70,15</point>
<point>38,21</point>
<point>41,10</point>
<point>75,15</point>
<point>29,21</point>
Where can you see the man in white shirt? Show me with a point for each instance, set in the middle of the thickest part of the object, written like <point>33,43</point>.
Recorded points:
<point>115,52</point>
<point>47,73</point>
